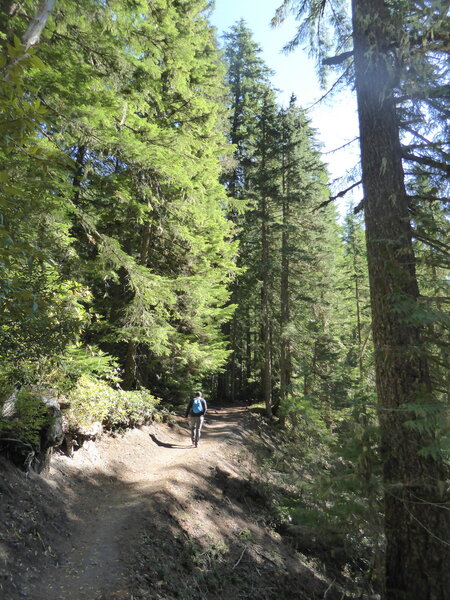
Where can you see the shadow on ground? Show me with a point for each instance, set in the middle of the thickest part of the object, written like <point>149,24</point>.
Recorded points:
<point>201,531</point>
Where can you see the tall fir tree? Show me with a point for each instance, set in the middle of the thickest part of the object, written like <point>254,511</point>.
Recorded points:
<point>128,203</point>
<point>383,58</point>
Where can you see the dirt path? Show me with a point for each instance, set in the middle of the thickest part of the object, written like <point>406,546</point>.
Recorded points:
<point>110,488</point>
<point>145,516</point>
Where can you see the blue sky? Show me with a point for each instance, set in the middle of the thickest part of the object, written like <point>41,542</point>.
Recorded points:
<point>335,120</point>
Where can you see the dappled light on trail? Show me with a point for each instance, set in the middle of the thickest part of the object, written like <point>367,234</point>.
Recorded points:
<point>150,516</point>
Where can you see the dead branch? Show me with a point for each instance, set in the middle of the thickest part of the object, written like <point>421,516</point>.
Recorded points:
<point>359,207</point>
<point>240,558</point>
<point>338,59</point>
<point>338,195</point>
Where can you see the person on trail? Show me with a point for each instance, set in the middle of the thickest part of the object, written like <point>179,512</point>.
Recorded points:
<point>195,411</point>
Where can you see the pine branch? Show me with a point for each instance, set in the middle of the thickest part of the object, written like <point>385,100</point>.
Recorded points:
<point>342,147</point>
<point>89,49</point>
<point>417,134</point>
<point>435,360</point>
<point>439,299</point>
<point>428,198</point>
<point>359,207</point>
<point>341,194</point>
<point>338,59</point>
<point>427,161</point>
<point>437,245</point>
<point>21,442</point>
<point>331,89</point>
<point>435,147</point>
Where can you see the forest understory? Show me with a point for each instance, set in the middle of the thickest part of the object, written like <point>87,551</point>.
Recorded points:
<point>143,515</point>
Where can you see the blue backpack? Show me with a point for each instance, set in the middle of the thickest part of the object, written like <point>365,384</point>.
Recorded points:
<point>197,406</point>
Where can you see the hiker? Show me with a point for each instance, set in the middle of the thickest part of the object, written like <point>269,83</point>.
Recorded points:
<point>196,410</point>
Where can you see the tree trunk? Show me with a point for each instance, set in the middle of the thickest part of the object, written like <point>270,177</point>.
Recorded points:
<point>78,174</point>
<point>130,366</point>
<point>285,349</point>
<point>357,303</point>
<point>416,519</point>
<point>266,367</point>
<point>33,33</point>
<point>233,362</point>
<point>266,370</point>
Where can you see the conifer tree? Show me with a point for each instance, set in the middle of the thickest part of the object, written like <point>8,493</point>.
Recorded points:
<point>356,300</point>
<point>247,79</point>
<point>384,57</point>
<point>303,187</point>
<point>282,180</point>
<point>130,199</point>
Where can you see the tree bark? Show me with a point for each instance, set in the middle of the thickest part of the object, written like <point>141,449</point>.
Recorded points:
<point>266,370</point>
<point>285,349</point>
<point>266,367</point>
<point>354,251</point>
<point>416,515</point>
<point>33,33</point>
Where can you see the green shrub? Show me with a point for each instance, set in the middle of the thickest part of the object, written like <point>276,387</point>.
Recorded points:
<point>79,360</point>
<point>130,409</point>
<point>29,419</point>
<point>92,400</point>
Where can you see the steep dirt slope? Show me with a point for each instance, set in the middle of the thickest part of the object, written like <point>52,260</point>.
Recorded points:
<point>146,516</point>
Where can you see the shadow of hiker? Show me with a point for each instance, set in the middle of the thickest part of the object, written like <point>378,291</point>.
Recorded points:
<point>166,445</point>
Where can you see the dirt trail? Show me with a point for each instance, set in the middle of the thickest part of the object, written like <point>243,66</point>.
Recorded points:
<point>145,516</point>
<point>109,486</point>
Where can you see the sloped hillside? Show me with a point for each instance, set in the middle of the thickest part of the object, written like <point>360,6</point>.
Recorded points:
<point>146,516</point>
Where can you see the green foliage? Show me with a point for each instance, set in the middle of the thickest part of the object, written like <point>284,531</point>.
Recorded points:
<point>29,419</point>
<point>286,248</point>
<point>79,360</point>
<point>431,419</point>
<point>328,464</point>
<point>396,54</point>
<point>318,21</point>
<point>93,401</point>
<point>40,313</point>
<point>113,230</point>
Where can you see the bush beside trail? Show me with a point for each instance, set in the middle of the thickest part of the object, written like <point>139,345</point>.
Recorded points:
<point>34,420</point>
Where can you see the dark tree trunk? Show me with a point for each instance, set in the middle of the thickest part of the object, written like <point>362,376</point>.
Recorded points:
<point>78,174</point>
<point>248,347</point>
<point>416,519</point>
<point>130,366</point>
<point>266,370</point>
<point>266,365</point>
<point>285,349</point>
<point>233,362</point>
<point>358,309</point>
